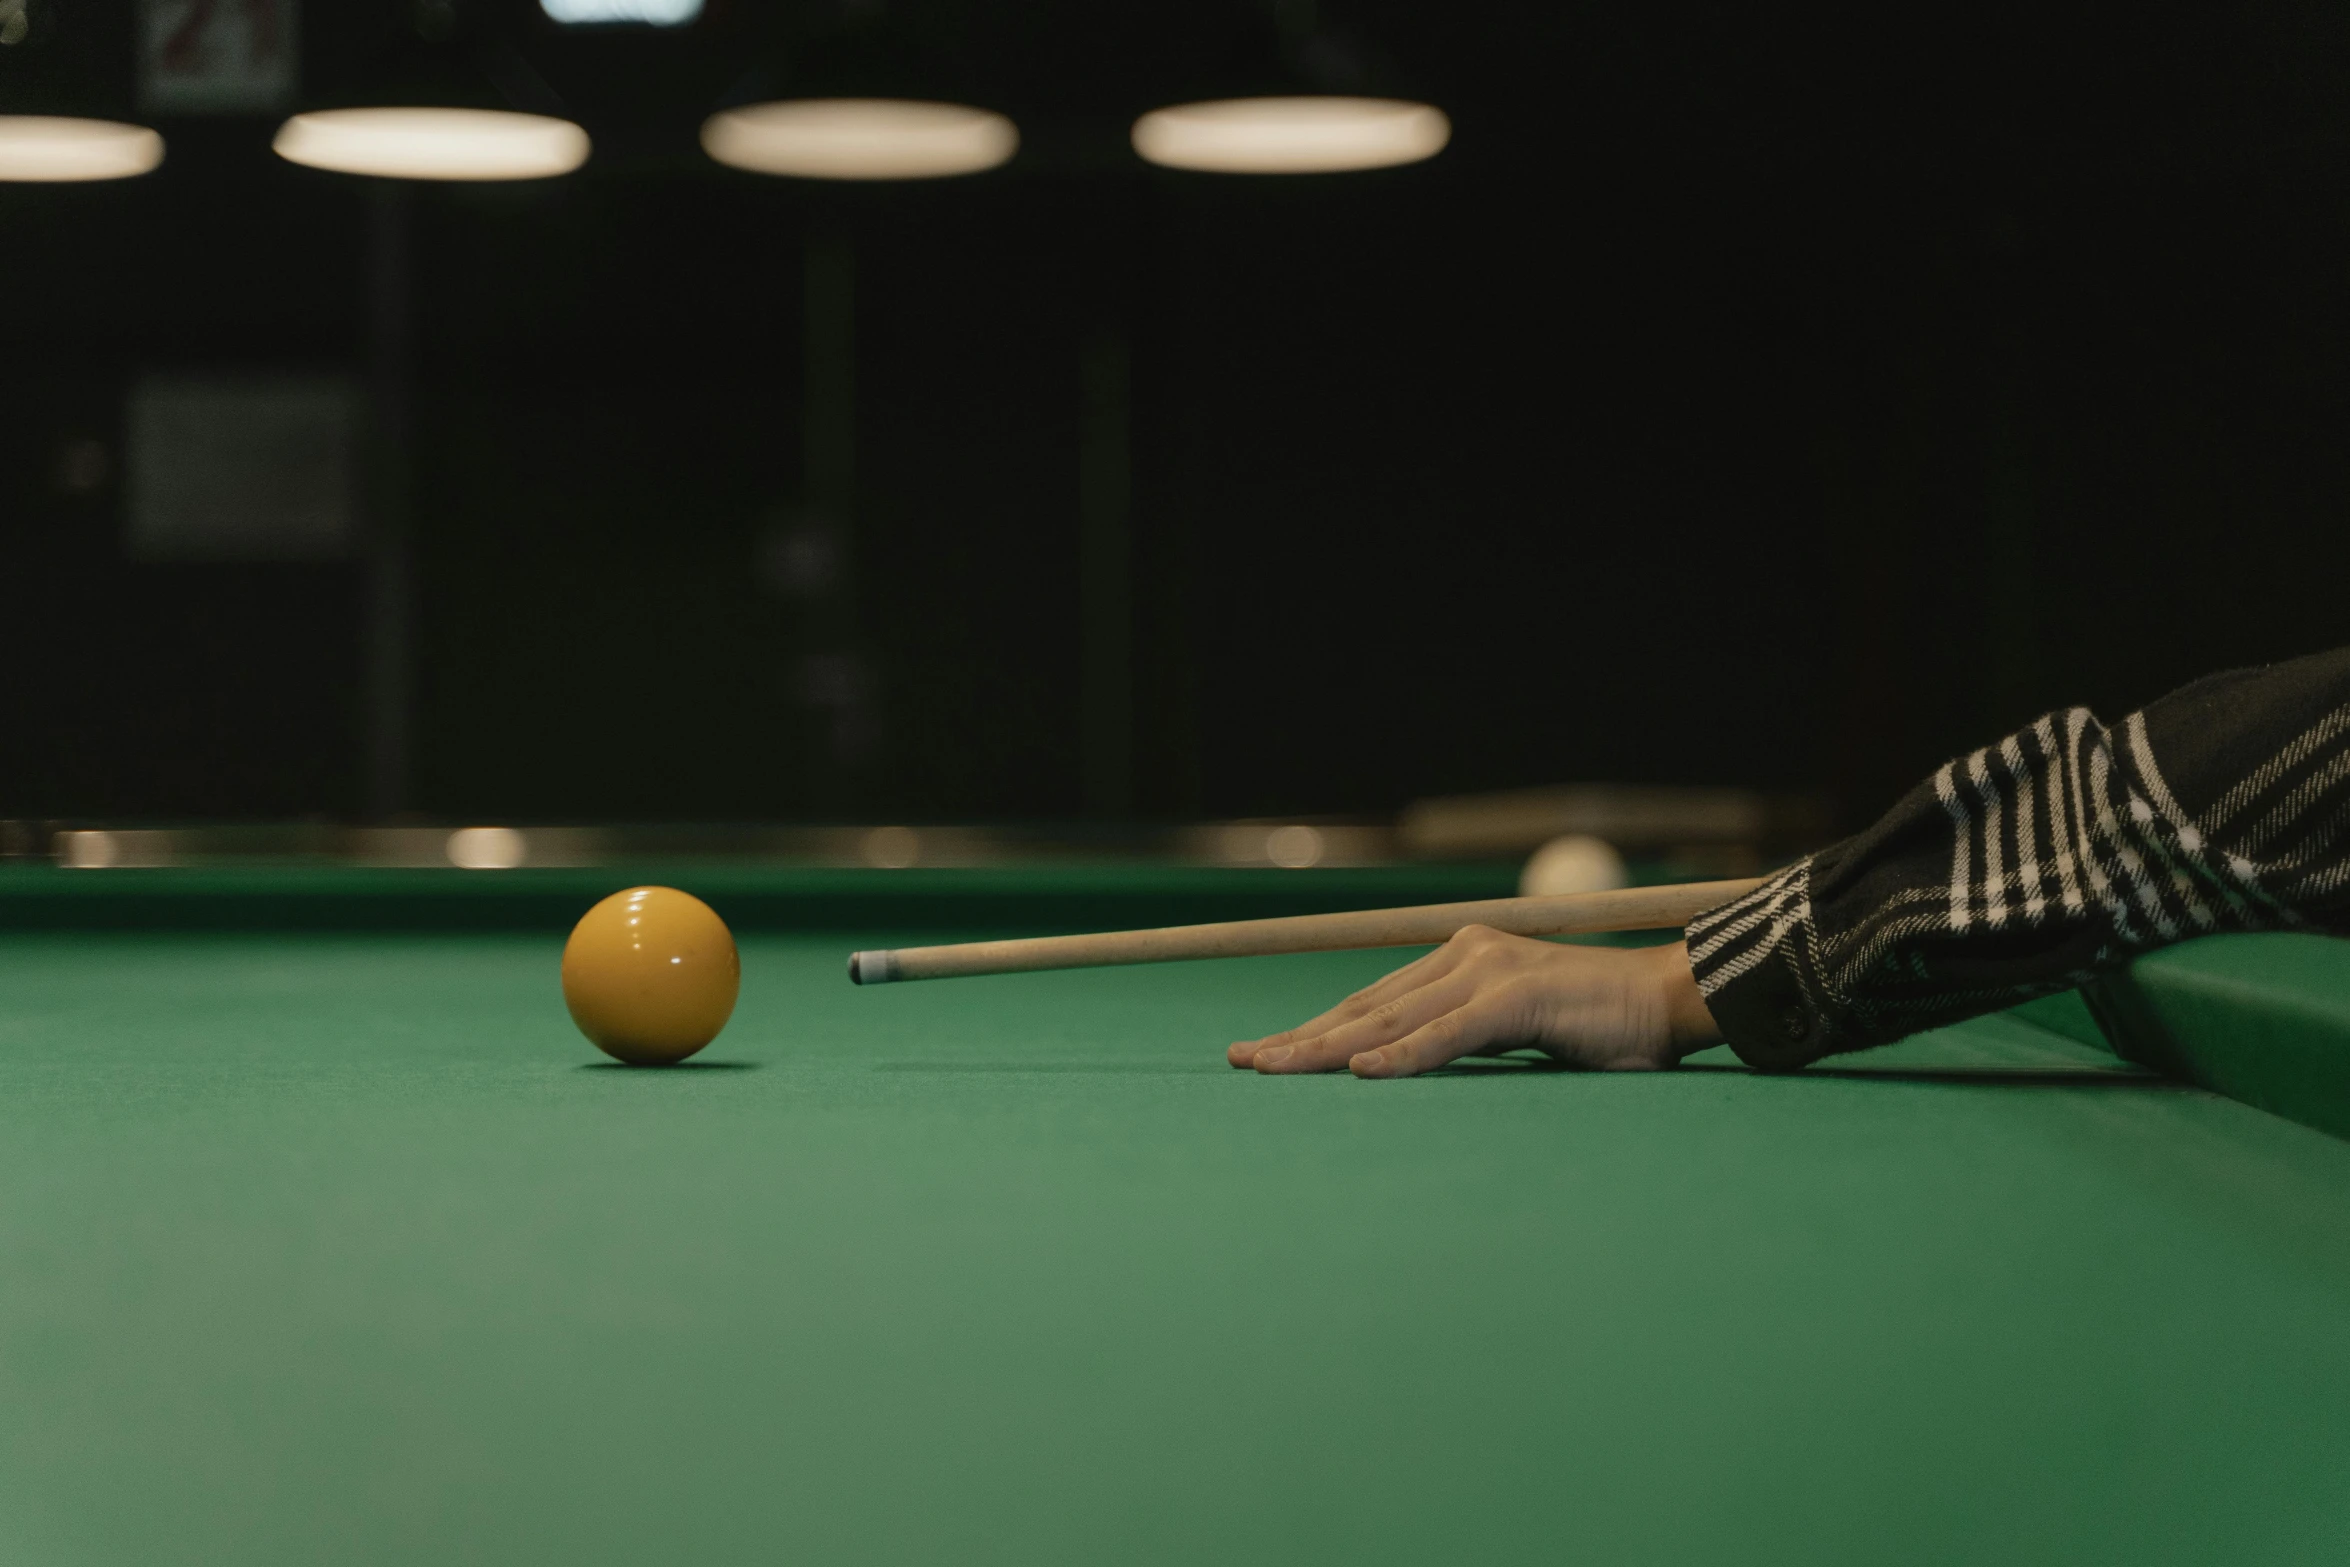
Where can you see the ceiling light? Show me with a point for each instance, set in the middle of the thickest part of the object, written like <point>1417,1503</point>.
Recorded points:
<point>434,144</point>
<point>49,149</point>
<point>1320,135</point>
<point>860,139</point>
<point>593,13</point>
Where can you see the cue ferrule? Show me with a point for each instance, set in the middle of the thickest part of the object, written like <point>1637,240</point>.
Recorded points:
<point>1568,914</point>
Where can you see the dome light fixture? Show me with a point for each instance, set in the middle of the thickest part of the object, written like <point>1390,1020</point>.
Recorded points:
<point>860,138</point>
<point>433,143</point>
<point>53,149</point>
<point>1307,135</point>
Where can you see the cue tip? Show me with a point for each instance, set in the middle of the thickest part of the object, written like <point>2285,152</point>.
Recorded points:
<point>872,968</point>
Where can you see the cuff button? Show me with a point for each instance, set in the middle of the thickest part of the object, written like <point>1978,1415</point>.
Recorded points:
<point>1795,1025</point>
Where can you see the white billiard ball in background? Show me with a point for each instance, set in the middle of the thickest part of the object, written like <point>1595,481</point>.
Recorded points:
<point>1574,863</point>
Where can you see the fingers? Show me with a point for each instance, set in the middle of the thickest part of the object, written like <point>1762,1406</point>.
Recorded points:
<point>1410,977</point>
<point>1390,1020</point>
<point>1485,992</point>
<point>1469,1030</point>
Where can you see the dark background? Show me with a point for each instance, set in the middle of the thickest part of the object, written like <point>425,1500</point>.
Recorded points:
<point>1781,399</point>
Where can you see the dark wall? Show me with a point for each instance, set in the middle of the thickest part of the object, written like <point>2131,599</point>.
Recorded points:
<point>1787,402</point>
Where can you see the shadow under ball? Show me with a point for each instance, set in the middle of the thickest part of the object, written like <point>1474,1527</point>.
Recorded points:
<point>650,975</point>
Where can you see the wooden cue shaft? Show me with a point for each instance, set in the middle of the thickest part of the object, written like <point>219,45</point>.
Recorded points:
<point>1574,913</point>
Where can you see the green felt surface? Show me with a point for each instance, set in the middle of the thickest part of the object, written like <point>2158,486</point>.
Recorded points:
<point>334,1249</point>
<point>2065,1013</point>
<point>1048,896</point>
<point>2264,1019</point>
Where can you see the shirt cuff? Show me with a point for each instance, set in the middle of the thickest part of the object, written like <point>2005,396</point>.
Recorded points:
<point>1752,959</point>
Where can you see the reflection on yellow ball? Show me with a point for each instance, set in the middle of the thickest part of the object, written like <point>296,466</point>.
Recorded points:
<point>650,975</point>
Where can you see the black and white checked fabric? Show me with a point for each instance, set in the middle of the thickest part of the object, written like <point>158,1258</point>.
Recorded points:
<point>2034,864</point>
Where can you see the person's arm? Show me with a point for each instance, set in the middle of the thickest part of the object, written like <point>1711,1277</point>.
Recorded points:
<point>2024,869</point>
<point>2037,863</point>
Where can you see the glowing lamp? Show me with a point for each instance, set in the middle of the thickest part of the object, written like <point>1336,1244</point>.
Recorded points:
<point>860,139</point>
<point>52,149</point>
<point>433,144</point>
<point>1310,135</point>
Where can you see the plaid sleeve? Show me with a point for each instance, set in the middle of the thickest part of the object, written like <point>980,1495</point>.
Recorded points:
<point>2034,864</point>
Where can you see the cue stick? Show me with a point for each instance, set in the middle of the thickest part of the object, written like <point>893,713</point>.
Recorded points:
<point>1568,914</point>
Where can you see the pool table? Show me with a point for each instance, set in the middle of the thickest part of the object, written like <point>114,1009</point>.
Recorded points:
<point>325,1239</point>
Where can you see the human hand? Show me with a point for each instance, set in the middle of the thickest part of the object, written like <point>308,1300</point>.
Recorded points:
<point>1481,993</point>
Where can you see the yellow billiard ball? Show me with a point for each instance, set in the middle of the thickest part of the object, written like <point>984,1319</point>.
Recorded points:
<point>650,975</point>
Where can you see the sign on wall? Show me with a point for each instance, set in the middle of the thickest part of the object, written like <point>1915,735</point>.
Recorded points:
<point>217,56</point>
